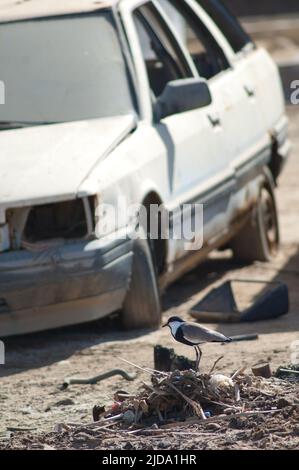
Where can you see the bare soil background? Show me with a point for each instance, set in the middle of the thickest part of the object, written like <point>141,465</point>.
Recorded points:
<point>31,402</point>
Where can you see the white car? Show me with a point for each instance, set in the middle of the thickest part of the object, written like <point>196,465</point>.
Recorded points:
<point>149,102</point>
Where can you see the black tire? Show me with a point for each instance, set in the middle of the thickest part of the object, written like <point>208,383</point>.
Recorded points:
<point>260,238</point>
<point>142,306</point>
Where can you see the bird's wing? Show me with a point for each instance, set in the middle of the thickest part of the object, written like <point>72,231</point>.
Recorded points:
<point>199,334</point>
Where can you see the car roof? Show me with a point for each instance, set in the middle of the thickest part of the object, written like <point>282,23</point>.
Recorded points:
<point>12,10</point>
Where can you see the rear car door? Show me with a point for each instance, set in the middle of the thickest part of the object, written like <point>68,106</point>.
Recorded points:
<point>193,140</point>
<point>246,144</point>
<point>262,73</point>
<point>260,77</point>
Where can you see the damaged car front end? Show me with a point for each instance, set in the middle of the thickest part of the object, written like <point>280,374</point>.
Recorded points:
<point>60,281</point>
<point>54,269</point>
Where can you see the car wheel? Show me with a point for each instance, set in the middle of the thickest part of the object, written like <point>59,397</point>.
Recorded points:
<point>259,239</point>
<point>142,306</point>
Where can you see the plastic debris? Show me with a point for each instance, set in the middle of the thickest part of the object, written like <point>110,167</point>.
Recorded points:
<point>226,303</point>
<point>221,384</point>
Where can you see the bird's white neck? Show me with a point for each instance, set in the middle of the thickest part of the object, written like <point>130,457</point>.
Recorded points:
<point>174,325</point>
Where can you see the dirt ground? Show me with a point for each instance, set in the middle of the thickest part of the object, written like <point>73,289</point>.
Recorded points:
<point>31,402</point>
<point>269,422</point>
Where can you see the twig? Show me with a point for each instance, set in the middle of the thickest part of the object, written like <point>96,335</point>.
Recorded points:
<point>207,421</point>
<point>215,364</point>
<point>145,369</point>
<point>238,372</point>
<point>104,428</point>
<point>118,432</point>
<point>114,418</point>
<point>196,406</point>
<point>223,405</point>
<point>247,414</point>
<point>169,431</point>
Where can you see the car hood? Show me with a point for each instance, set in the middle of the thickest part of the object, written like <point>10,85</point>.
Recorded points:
<point>46,163</point>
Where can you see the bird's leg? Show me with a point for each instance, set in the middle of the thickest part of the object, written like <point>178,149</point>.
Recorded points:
<point>197,359</point>
<point>198,356</point>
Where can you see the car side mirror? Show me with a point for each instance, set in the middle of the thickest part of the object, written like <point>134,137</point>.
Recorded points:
<point>180,96</point>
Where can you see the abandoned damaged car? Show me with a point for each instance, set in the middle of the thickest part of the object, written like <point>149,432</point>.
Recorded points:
<point>163,103</point>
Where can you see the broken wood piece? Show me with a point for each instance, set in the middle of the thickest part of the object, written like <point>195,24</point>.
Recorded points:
<point>262,370</point>
<point>97,412</point>
<point>163,358</point>
<point>166,360</point>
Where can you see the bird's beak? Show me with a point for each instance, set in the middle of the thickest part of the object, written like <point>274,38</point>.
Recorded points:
<point>166,324</point>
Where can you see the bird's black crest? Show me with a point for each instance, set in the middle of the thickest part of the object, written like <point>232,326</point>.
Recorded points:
<point>171,319</point>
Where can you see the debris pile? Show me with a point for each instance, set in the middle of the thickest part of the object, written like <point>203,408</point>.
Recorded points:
<point>186,410</point>
<point>180,396</point>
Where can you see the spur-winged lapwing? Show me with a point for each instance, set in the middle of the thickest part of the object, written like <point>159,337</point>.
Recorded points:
<point>193,334</point>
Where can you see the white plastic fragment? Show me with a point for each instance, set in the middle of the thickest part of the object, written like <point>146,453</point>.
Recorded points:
<point>221,384</point>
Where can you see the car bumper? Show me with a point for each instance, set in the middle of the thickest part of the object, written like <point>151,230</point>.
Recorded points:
<point>69,284</point>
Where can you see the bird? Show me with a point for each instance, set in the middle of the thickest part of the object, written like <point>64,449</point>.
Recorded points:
<point>193,334</point>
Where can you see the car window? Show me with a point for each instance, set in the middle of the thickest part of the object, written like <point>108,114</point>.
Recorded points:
<point>206,53</point>
<point>77,71</point>
<point>163,57</point>
<point>227,23</point>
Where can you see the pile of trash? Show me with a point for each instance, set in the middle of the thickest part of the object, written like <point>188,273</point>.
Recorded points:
<point>185,410</point>
<point>175,396</point>
<point>179,396</point>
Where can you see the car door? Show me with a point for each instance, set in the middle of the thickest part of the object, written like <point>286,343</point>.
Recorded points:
<point>247,143</point>
<point>197,169</point>
<point>255,64</point>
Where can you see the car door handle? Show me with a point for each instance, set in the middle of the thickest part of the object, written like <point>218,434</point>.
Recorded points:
<point>214,120</point>
<point>250,90</point>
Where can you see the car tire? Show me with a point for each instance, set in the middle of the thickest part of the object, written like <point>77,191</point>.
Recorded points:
<point>142,305</point>
<point>260,238</point>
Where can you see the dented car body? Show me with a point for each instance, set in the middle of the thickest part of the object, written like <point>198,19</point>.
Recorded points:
<point>90,122</point>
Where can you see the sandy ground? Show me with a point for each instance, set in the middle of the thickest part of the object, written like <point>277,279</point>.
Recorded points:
<point>30,399</point>
<point>278,35</point>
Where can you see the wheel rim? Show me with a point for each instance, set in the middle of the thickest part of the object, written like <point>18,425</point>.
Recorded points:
<point>269,220</point>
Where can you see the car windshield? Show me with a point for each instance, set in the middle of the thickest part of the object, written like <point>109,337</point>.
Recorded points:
<point>62,69</point>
